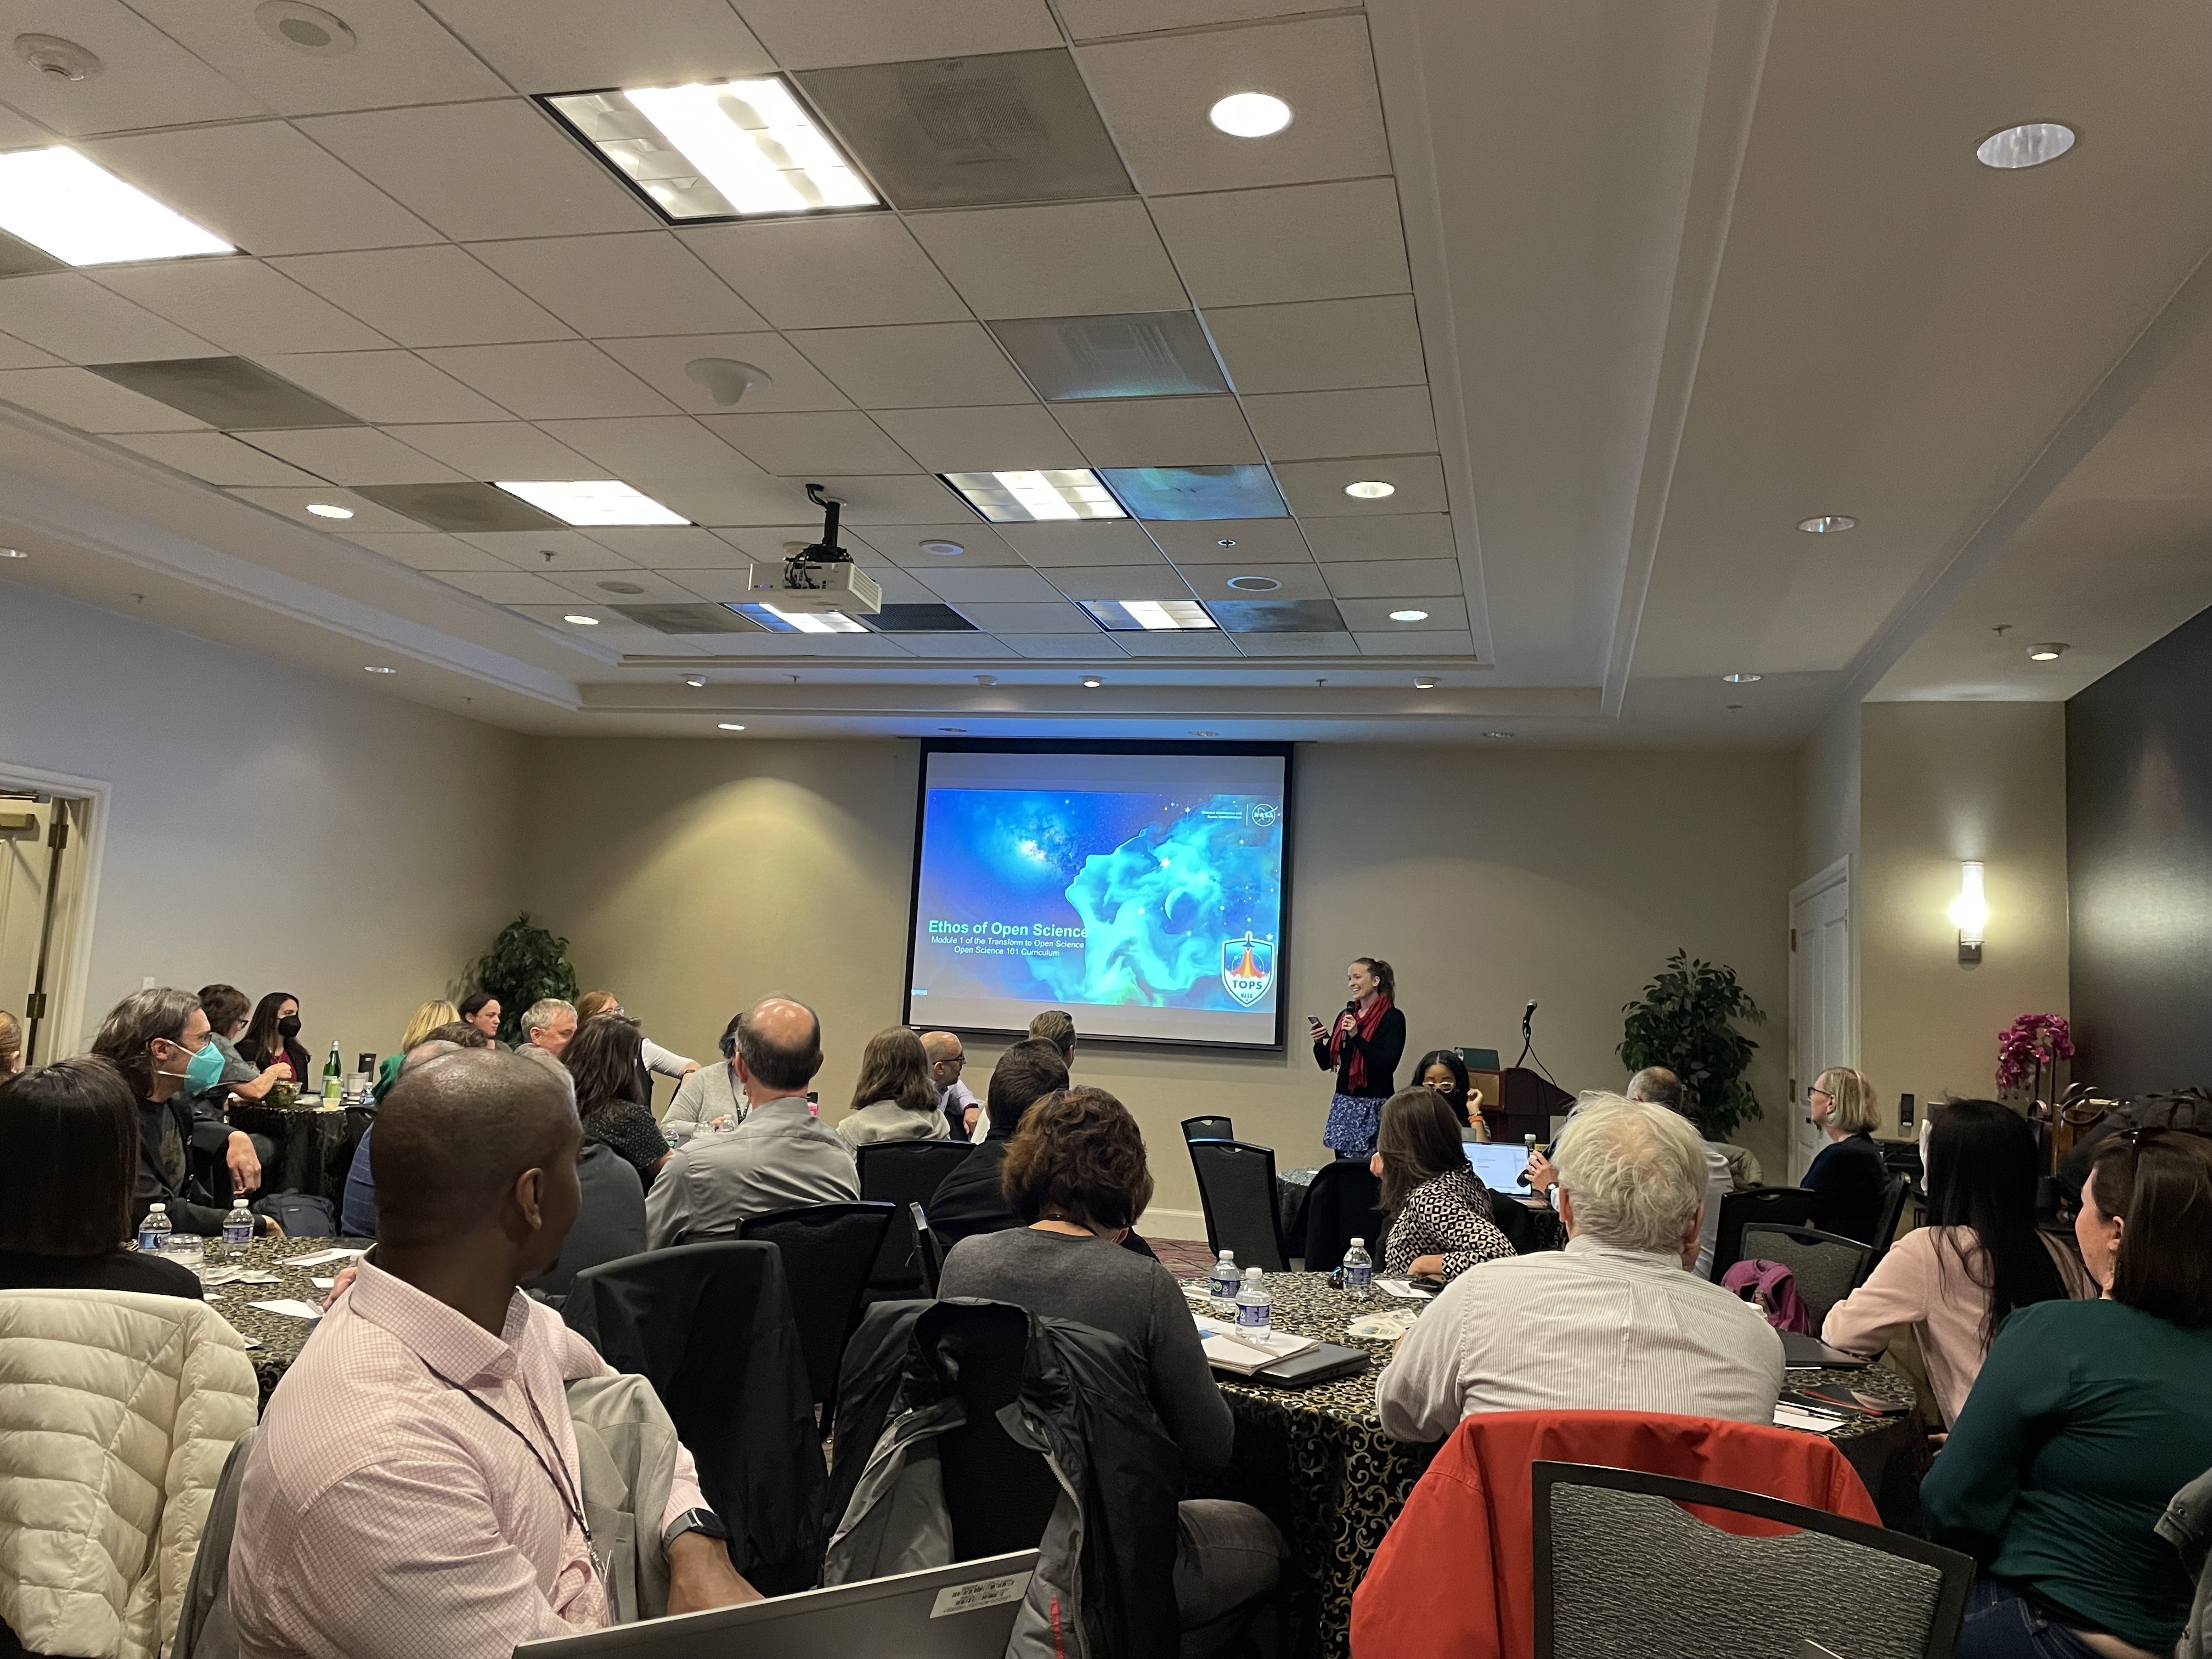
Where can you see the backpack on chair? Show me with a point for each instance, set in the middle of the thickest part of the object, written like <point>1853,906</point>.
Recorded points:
<point>1773,1288</point>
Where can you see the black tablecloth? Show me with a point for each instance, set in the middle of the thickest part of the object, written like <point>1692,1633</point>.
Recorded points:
<point>314,1145</point>
<point>281,1337</point>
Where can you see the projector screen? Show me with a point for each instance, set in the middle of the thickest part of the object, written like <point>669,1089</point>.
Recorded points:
<point>1140,888</point>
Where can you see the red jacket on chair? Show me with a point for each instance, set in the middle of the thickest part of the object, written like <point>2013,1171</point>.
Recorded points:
<point>1455,1577</point>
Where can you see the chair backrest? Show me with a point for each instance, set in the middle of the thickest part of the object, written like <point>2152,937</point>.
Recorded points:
<point>1343,1203</point>
<point>1604,1537</point>
<point>1826,1266</point>
<point>1209,1128</point>
<point>1892,1212</point>
<point>205,1629</point>
<point>999,1494</point>
<point>1236,1185</point>
<point>904,1172</point>
<point>1789,1205</point>
<point>829,1251</point>
<point>931,1258</point>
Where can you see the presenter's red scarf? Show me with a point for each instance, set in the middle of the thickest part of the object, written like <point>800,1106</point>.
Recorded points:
<point>1355,1072</point>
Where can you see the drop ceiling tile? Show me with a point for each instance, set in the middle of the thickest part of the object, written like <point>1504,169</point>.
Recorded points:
<point>547,552</point>
<point>638,586</point>
<point>806,35</point>
<point>147,79</point>
<point>902,544</point>
<point>744,496</point>
<point>1314,489</point>
<point>551,380</point>
<point>1323,346</point>
<point>558,46</point>
<point>403,55</point>
<point>1054,615</point>
<point>1023,436</point>
<point>1185,642</point>
<point>384,387</point>
<point>1160,431</point>
<point>22,353</point>
<point>845,271</point>
<point>1069,259</point>
<point>78,397</point>
<point>1373,615</point>
<point>1255,248</point>
<point>1298,645</point>
<point>901,586</point>
<point>1263,541</point>
<point>671,548</point>
<point>74,316</point>
<point>637,282</point>
<point>1300,426</point>
<point>478,170</point>
<point>795,385</point>
<point>795,445</point>
<point>16,133</point>
<point>649,450</point>
<point>1385,578</point>
<point>356,455</point>
<point>1092,542</point>
<point>1292,581</point>
<point>242,305</point>
<point>731,586</point>
<point>977,648</point>
<point>215,458</point>
<point>1092,20</point>
<point>428,550</point>
<point>916,365</point>
<point>506,586</point>
<point>1155,94</point>
<point>1393,536</point>
<point>491,450</point>
<point>368,516</point>
<point>1071,648</point>
<point>425,296</point>
<point>915,498</point>
<point>1120,581</point>
<point>989,589</point>
<point>1412,643</point>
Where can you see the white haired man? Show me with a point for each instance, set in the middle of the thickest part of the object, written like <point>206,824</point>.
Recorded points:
<point>1614,1321</point>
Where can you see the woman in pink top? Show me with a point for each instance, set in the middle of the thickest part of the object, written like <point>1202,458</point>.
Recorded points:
<point>1955,1280</point>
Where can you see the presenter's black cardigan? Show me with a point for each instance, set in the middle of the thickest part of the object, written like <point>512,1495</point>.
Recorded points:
<point>1383,1053</point>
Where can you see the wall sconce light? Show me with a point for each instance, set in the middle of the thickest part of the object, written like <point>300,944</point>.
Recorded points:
<point>1970,912</point>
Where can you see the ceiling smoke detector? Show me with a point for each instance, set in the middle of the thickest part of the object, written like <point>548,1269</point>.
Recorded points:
<point>51,55</point>
<point>726,379</point>
<point>304,27</point>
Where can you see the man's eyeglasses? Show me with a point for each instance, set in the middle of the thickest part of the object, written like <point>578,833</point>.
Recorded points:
<point>954,1061</point>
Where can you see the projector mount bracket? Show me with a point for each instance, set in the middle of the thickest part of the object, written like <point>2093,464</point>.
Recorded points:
<point>800,569</point>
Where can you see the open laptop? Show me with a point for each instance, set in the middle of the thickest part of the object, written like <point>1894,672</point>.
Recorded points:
<point>966,1611</point>
<point>1498,1167</point>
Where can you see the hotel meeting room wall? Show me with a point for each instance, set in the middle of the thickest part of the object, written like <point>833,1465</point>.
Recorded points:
<point>267,825</point>
<point>694,877</point>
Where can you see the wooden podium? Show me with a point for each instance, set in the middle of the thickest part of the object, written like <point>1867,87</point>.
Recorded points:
<point>1522,1104</point>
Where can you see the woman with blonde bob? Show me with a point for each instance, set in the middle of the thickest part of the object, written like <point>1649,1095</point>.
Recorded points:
<point>1849,1179</point>
<point>894,1099</point>
<point>424,1021</point>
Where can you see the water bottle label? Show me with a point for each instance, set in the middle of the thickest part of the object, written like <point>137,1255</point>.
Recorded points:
<point>1358,1276</point>
<point>148,1239</point>
<point>1253,1313</point>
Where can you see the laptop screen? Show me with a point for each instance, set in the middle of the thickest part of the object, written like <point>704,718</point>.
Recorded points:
<point>1498,1168</point>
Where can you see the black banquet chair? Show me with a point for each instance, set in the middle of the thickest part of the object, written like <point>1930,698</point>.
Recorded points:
<point>1826,1267</point>
<point>1790,1205</point>
<point>1209,1128</point>
<point>900,1173</point>
<point>1892,1212</point>
<point>829,1251</point>
<point>1236,1185</point>
<point>1604,1537</point>
<point>1343,1203</point>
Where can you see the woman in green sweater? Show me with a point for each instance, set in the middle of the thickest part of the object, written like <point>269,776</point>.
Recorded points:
<point>2086,1418</point>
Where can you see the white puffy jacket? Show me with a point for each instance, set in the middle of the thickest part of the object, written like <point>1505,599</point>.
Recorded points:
<point>117,1410</point>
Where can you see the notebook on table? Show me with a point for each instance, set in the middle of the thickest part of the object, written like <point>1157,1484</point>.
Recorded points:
<point>1278,1358</point>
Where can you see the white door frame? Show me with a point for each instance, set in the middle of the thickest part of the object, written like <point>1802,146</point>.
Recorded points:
<point>65,1012</point>
<point>1837,874</point>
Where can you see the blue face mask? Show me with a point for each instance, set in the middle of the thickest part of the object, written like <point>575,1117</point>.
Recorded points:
<point>204,1070</point>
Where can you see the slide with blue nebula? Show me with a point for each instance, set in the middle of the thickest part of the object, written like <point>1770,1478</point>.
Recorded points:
<point>1143,893</point>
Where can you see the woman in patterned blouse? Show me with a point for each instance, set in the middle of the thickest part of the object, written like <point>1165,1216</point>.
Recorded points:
<point>1440,1220</point>
<point>605,1059</point>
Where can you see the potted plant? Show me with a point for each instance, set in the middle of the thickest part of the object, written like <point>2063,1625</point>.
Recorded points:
<point>1682,1022</point>
<point>525,964</point>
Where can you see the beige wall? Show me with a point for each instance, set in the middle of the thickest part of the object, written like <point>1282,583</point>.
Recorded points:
<point>693,876</point>
<point>267,826</point>
<point>1944,782</point>
<point>1828,784</point>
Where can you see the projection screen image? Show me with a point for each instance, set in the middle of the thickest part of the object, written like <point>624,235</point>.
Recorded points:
<point>1141,892</point>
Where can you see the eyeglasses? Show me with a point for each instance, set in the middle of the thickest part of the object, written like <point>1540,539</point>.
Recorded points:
<point>1823,1093</point>
<point>954,1060</point>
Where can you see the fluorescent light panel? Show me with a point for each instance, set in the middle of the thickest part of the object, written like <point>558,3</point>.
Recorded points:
<point>586,501</point>
<point>1158,615</point>
<point>719,149</point>
<point>799,621</point>
<point>1032,497</point>
<point>78,212</point>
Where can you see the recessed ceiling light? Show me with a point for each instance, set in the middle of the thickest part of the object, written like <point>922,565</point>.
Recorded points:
<point>955,731</point>
<point>1253,584</point>
<point>581,621</point>
<point>324,510</point>
<point>1028,497</point>
<point>943,550</point>
<point>12,553</point>
<point>378,668</point>
<point>1250,115</point>
<point>1409,615</point>
<point>2028,146</point>
<point>593,501</point>
<point>727,726</point>
<point>1205,735</point>
<point>1743,679</point>
<point>1226,541</point>
<point>1827,523</point>
<point>695,681</point>
<point>1092,681</point>
<point>1501,734</point>
<point>2050,651</point>
<point>1370,490</point>
<point>986,679</point>
<point>83,215</point>
<point>1158,616</point>
<point>717,150</point>
<point>777,621</point>
<point>1424,684</point>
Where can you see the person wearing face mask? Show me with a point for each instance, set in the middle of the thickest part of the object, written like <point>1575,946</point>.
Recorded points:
<point>273,1038</point>
<point>159,1041</point>
<point>1442,1071</point>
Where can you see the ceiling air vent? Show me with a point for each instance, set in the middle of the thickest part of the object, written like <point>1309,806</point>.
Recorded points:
<point>227,393</point>
<point>1016,126</point>
<point>467,508</point>
<point>919,619</point>
<point>1146,354</point>
<point>686,618</point>
<point>1277,615</point>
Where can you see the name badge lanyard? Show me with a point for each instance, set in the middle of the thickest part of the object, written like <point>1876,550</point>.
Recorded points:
<point>570,1492</point>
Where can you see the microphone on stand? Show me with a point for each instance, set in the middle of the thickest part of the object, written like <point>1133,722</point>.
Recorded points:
<point>1527,1018</point>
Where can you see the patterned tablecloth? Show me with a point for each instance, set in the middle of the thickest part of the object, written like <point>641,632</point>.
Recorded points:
<point>1318,1462</point>
<point>281,1336</point>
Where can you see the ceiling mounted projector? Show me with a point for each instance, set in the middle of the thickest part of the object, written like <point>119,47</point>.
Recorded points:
<point>726,379</point>
<point>819,578</point>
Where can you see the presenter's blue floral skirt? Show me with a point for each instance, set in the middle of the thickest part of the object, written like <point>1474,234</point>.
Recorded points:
<point>1353,1123</point>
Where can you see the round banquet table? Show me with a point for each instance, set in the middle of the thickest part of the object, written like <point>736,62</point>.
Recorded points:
<point>314,1146</point>
<point>1316,1460</point>
<point>280,1336</point>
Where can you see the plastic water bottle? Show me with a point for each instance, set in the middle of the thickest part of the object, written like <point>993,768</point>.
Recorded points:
<point>238,1225</point>
<point>1256,1309</point>
<point>154,1231</point>
<point>1225,1282</point>
<point>1359,1271</point>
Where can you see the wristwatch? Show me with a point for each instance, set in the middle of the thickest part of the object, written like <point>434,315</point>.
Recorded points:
<point>701,1521</point>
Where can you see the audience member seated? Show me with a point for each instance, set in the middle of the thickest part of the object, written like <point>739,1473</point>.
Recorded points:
<point>610,1221</point>
<point>1655,1086</point>
<point>480,1009</point>
<point>2086,1418</point>
<point>11,1044</point>
<point>547,1025</point>
<point>1613,1322</point>
<point>1057,1027</point>
<point>272,1037</point>
<point>1848,1178</point>
<point>1443,1071</point>
<point>894,1098</point>
<point>709,1098</point>
<point>962,1111</point>
<point>972,1200</point>
<point>1440,1223</point>
<point>357,1206</point>
<point>1075,1175</point>
<point>602,1058</point>
<point>658,1061</point>
<point>159,1041</point>
<point>66,1214</point>
<point>1954,1282</point>
<point>416,1485</point>
<point>780,1158</point>
<point>227,1012</point>
<point>428,1017</point>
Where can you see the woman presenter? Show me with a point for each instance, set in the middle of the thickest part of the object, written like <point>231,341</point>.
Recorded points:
<point>1363,1048</point>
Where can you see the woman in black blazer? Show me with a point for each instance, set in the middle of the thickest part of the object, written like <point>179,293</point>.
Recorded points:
<point>1363,1048</point>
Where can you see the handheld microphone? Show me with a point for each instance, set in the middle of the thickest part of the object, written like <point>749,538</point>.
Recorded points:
<point>1528,1017</point>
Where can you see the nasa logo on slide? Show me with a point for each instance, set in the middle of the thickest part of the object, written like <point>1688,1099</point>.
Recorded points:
<point>1263,814</point>
<point>1248,968</point>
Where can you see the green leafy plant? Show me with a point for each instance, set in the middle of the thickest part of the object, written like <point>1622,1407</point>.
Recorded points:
<point>526,962</point>
<point>1682,1022</point>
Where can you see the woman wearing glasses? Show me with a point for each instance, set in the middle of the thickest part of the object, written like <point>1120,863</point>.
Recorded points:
<point>2086,1418</point>
<point>1849,1179</point>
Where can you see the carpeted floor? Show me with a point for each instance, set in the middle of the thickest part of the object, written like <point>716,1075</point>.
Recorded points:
<point>1185,1258</point>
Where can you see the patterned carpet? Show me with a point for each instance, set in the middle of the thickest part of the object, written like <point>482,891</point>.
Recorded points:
<point>1186,1258</point>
